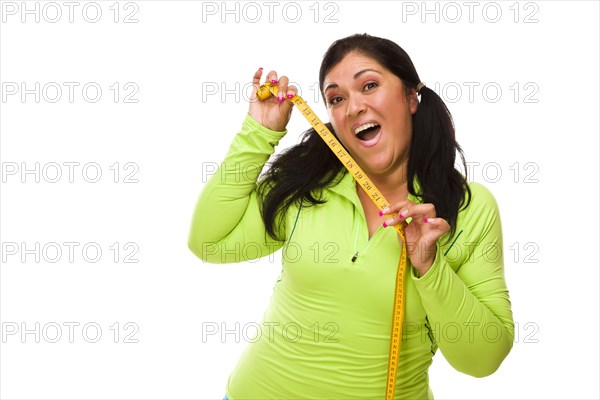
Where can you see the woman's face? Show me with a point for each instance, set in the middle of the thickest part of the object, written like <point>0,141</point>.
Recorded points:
<point>370,113</point>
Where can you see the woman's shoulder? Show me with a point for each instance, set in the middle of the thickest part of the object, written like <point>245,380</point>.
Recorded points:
<point>482,209</point>
<point>481,195</point>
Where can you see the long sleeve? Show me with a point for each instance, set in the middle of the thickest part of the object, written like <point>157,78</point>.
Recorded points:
<point>465,294</point>
<point>226,224</point>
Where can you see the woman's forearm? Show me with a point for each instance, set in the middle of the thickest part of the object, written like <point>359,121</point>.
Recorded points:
<point>224,220</point>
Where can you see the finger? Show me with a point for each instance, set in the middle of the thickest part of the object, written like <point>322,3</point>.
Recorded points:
<point>256,82</point>
<point>396,207</point>
<point>418,212</point>
<point>392,216</point>
<point>291,91</point>
<point>413,211</point>
<point>284,93</point>
<point>282,88</point>
<point>256,78</point>
<point>271,77</point>
<point>396,213</point>
<point>437,224</point>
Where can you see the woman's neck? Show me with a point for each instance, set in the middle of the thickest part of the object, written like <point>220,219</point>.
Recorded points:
<point>392,186</point>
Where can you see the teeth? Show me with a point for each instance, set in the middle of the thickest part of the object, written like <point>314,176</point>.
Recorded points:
<point>363,127</point>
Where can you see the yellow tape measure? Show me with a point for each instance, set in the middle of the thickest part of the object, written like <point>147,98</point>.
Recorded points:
<point>264,92</point>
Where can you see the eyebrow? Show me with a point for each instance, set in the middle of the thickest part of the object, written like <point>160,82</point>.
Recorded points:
<point>356,76</point>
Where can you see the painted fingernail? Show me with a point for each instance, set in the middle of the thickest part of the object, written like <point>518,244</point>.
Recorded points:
<point>381,213</point>
<point>289,96</point>
<point>385,225</point>
<point>400,216</point>
<point>279,98</point>
<point>273,81</point>
<point>385,211</point>
<point>388,222</point>
<point>429,220</point>
<point>425,220</point>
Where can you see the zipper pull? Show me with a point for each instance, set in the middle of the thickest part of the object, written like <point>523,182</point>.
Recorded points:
<point>355,256</point>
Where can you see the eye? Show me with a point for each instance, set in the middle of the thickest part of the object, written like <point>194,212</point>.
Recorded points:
<point>333,100</point>
<point>370,85</point>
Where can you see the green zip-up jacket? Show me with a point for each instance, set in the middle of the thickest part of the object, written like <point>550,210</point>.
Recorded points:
<point>326,332</point>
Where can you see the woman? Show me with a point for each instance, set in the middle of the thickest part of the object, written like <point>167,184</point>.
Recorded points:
<point>326,333</point>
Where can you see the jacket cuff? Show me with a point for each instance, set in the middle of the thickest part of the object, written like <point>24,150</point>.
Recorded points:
<point>252,124</point>
<point>433,275</point>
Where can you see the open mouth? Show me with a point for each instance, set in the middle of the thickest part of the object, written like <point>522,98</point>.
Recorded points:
<point>368,133</point>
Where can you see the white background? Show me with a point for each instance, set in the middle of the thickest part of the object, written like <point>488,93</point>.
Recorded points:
<point>180,57</point>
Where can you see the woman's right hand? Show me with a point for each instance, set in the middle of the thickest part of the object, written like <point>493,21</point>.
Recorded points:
<point>273,113</point>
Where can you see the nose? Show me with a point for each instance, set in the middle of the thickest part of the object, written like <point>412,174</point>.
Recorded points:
<point>356,106</point>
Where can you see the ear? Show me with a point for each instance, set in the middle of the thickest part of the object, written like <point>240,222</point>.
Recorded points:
<point>414,101</point>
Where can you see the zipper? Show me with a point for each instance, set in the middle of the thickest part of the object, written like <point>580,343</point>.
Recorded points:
<point>355,256</point>
<point>357,251</point>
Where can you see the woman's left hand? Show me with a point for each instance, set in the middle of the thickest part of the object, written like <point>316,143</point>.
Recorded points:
<point>422,232</point>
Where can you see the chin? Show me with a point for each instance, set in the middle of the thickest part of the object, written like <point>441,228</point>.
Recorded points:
<point>377,166</point>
